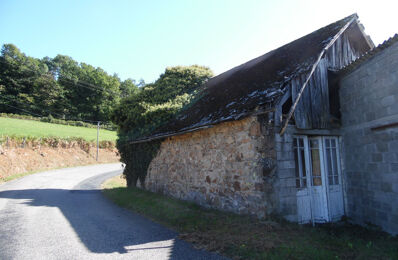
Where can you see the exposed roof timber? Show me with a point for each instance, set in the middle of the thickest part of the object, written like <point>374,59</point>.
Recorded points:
<point>342,30</point>
<point>278,111</point>
<point>368,55</point>
<point>367,37</point>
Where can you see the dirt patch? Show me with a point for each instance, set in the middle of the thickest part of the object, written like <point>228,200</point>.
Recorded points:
<point>17,160</point>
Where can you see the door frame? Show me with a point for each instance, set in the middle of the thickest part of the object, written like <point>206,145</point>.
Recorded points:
<point>325,189</point>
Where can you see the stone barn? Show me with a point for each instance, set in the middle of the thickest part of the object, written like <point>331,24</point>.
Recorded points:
<point>279,135</point>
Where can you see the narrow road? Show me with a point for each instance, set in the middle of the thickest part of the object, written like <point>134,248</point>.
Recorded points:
<point>62,214</point>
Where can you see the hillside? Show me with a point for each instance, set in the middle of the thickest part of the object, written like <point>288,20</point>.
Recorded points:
<point>29,128</point>
<point>17,161</point>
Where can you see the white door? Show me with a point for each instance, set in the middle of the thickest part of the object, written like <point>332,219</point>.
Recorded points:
<point>333,170</point>
<point>318,187</point>
<point>318,179</point>
<point>304,204</point>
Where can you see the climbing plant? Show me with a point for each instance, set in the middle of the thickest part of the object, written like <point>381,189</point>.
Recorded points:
<point>150,107</point>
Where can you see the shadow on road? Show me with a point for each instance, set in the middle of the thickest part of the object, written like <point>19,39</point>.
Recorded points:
<point>104,227</point>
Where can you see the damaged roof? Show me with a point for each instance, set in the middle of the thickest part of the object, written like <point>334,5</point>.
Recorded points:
<point>368,55</point>
<point>260,82</point>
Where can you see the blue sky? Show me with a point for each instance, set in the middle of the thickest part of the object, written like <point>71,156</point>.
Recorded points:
<point>139,39</point>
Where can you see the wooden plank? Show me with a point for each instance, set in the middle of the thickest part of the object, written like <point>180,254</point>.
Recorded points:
<point>301,114</point>
<point>278,110</point>
<point>314,66</point>
<point>306,101</point>
<point>324,91</point>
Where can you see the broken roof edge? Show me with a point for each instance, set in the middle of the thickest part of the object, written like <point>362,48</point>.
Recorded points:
<point>314,66</point>
<point>226,74</point>
<point>367,37</point>
<point>367,56</point>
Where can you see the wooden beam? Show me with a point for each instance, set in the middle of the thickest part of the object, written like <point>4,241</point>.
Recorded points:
<point>381,127</point>
<point>314,66</point>
<point>278,110</point>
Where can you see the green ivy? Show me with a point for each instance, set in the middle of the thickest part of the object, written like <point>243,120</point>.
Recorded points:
<point>149,108</point>
<point>137,158</point>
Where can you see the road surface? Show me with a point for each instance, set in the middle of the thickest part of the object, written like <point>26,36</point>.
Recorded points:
<point>61,214</point>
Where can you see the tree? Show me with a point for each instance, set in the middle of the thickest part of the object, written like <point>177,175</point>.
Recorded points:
<point>152,106</point>
<point>128,88</point>
<point>157,103</point>
<point>24,82</point>
<point>90,92</point>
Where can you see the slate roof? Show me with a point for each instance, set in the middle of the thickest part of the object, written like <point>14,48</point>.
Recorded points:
<point>236,93</point>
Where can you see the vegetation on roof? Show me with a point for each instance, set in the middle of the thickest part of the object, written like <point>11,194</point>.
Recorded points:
<point>152,106</point>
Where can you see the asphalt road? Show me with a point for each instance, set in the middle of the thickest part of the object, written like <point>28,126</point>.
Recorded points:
<point>62,214</point>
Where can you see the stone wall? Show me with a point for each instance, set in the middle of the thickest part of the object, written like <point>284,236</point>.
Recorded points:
<point>369,98</point>
<point>228,167</point>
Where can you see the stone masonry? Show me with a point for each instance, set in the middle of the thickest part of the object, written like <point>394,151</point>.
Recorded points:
<point>228,167</point>
<point>369,99</point>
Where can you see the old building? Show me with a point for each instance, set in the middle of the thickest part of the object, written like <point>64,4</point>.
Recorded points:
<point>272,136</point>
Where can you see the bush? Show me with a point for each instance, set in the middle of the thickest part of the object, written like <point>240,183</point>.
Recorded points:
<point>151,107</point>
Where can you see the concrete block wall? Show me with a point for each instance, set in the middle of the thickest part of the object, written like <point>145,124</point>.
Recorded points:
<point>285,185</point>
<point>369,99</point>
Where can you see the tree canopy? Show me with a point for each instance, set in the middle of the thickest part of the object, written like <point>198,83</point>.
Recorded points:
<point>150,107</point>
<point>59,86</point>
<point>156,103</point>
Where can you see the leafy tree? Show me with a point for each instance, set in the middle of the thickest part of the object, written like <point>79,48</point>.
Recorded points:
<point>59,86</point>
<point>128,88</point>
<point>150,107</point>
<point>90,93</point>
<point>24,82</point>
<point>156,103</point>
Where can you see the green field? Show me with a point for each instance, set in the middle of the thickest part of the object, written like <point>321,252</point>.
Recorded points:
<point>29,128</point>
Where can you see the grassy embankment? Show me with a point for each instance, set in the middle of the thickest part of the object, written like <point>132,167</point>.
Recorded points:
<point>29,128</point>
<point>41,139</point>
<point>243,237</point>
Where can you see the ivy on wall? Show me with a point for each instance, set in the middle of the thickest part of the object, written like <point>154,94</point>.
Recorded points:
<point>152,106</point>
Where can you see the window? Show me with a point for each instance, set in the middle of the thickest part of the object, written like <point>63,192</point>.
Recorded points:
<point>299,158</point>
<point>331,160</point>
<point>315,163</point>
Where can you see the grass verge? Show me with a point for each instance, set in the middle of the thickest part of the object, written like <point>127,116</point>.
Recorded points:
<point>245,237</point>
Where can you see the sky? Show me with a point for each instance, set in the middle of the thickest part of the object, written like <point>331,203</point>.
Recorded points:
<point>139,39</point>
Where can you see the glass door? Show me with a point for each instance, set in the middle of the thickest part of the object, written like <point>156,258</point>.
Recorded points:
<point>318,179</point>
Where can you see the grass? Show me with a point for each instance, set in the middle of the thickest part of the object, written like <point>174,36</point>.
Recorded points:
<point>245,237</point>
<point>29,128</point>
